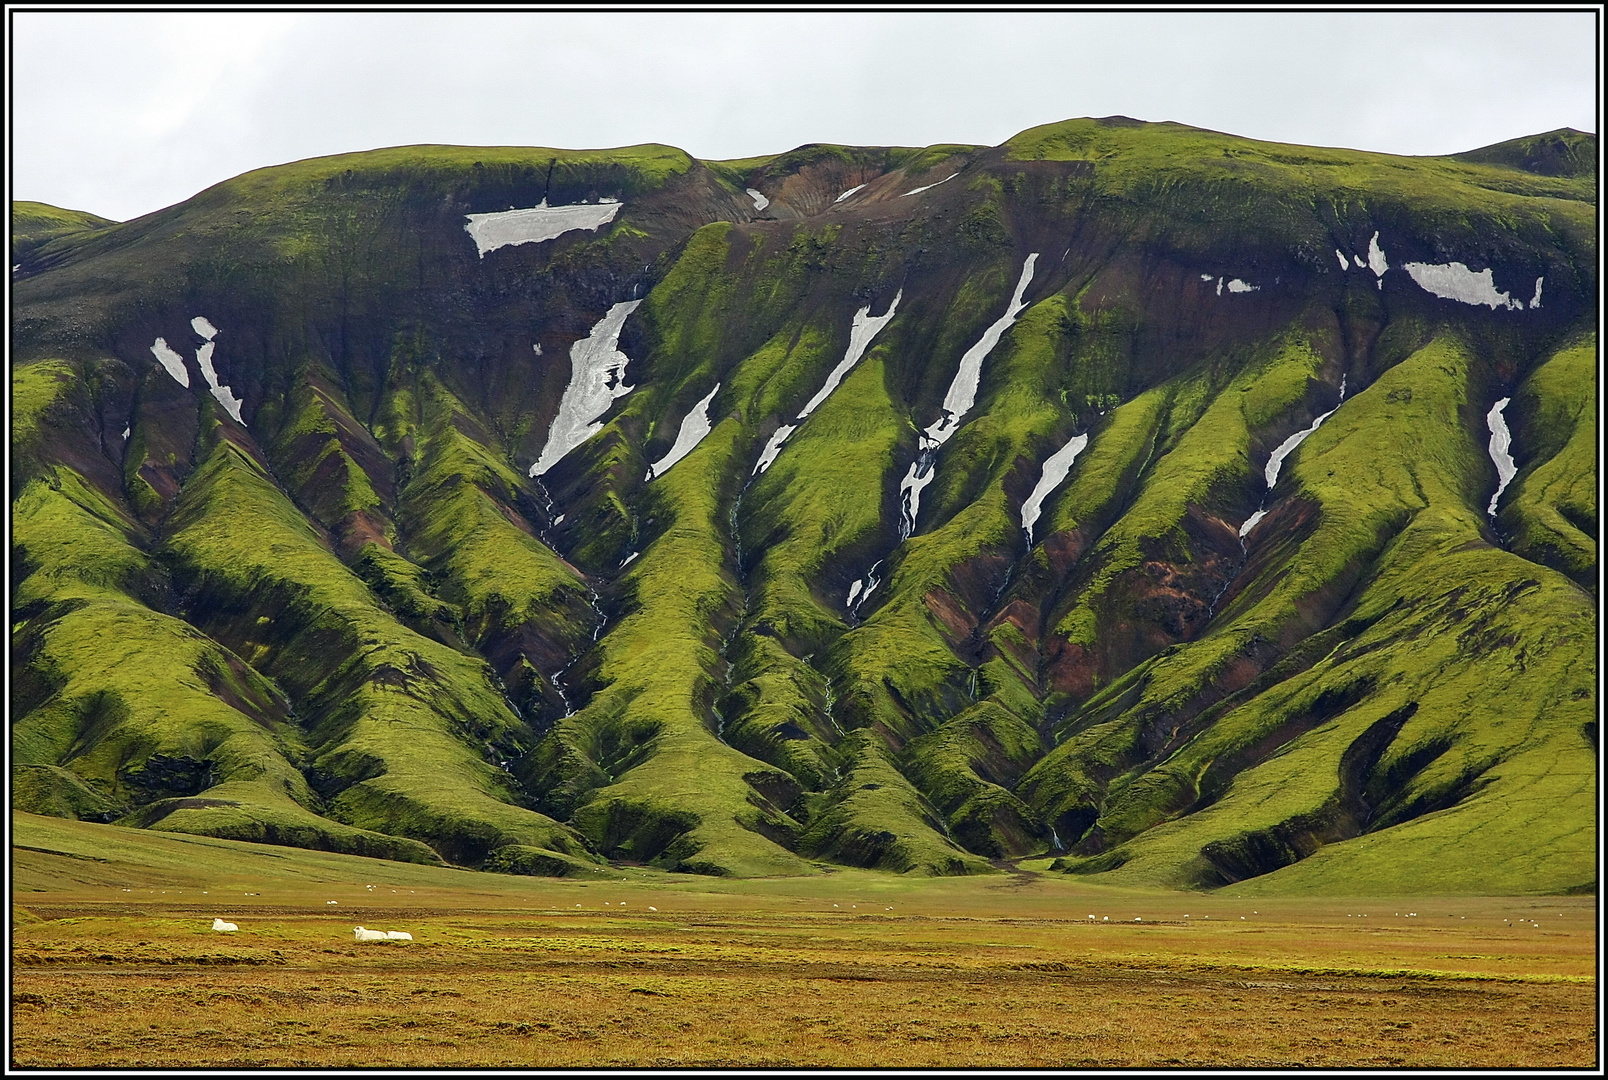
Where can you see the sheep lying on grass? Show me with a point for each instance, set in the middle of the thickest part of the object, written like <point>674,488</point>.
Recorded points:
<point>224,927</point>
<point>381,935</point>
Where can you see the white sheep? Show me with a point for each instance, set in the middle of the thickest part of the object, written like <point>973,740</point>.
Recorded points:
<point>224,927</point>
<point>399,935</point>
<point>368,935</point>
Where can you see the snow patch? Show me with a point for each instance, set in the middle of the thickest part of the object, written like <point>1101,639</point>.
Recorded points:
<point>126,431</point>
<point>774,447</point>
<point>861,331</point>
<point>1501,443</point>
<point>1344,263</point>
<point>1238,286</point>
<point>1055,470</point>
<point>1360,264</point>
<point>537,348</point>
<point>532,225</point>
<point>1535,301</point>
<point>629,558</point>
<point>203,356</point>
<point>1275,462</point>
<point>597,377</point>
<point>929,187</point>
<point>1287,447</point>
<point>694,426</point>
<point>962,393</point>
<point>958,401</point>
<point>760,202</point>
<point>869,583</point>
<point>1206,277</point>
<point>1219,286</point>
<point>1376,257</point>
<point>921,473</point>
<point>1454,281</point>
<point>846,194</point>
<point>172,361</point>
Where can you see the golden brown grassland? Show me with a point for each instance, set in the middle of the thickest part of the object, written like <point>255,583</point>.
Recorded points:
<point>114,964</point>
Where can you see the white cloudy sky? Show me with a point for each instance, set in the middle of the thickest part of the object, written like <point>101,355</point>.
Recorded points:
<point>122,113</point>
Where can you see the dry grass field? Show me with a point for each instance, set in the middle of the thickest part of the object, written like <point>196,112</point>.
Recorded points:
<point>115,964</point>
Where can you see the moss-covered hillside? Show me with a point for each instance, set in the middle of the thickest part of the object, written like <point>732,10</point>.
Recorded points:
<point>289,563</point>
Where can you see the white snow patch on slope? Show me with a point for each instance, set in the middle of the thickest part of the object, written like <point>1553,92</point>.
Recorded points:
<point>869,583</point>
<point>1454,281</point>
<point>959,399</point>
<point>1360,264</point>
<point>760,201</point>
<point>230,403</point>
<point>962,393</point>
<point>1501,442</point>
<point>922,472</point>
<point>774,447</point>
<point>597,377</point>
<point>1275,462</point>
<point>1205,277</point>
<point>172,361</point>
<point>203,356</point>
<point>1055,470</point>
<point>694,426</point>
<point>1344,263</point>
<point>1376,257</point>
<point>928,187</point>
<point>846,194</point>
<point>1535,301</point>
<point>1238,286</point>
<point>1219,286</point>
<point>861,331</point>
<point>534,224</point>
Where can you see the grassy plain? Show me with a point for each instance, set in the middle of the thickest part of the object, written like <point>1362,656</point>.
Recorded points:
<point>114,965</point>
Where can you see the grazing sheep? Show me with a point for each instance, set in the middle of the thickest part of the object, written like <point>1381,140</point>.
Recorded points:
<point>224,927</point>
<point>369,935</point>
<point>399,935</point>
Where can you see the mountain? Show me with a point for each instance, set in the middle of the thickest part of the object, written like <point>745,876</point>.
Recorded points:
<point>1126,493</point>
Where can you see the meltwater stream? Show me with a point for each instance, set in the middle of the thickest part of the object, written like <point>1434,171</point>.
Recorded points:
<point>958,402</point>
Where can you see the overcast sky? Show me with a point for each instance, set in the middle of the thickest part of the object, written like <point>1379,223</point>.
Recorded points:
<point>123,113</point>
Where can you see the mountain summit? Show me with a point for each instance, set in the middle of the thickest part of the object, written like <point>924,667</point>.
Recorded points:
<point>1187,508</point>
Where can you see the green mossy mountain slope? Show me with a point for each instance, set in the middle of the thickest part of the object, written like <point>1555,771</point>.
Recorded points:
<point>357,620</point>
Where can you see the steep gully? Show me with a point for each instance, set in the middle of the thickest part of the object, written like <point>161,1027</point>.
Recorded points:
<point>597,379</point>
<point>958,401</point>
